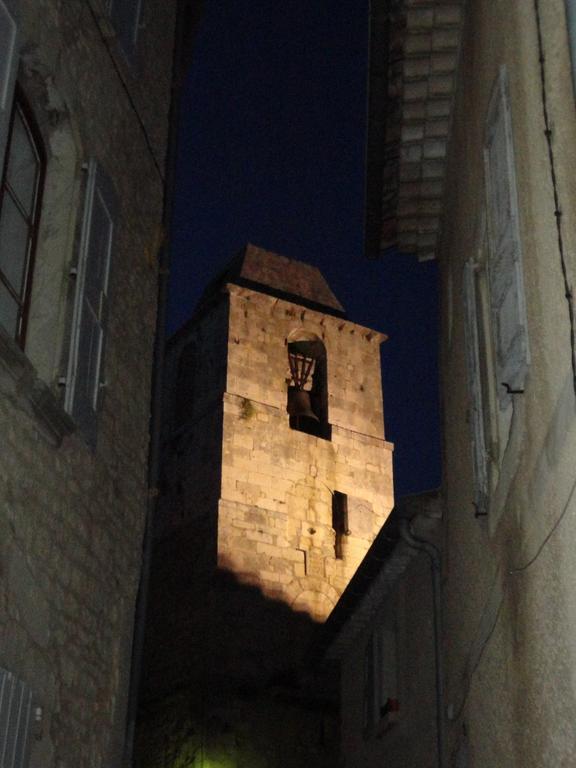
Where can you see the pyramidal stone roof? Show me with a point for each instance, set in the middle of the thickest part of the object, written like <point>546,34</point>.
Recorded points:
<point>276,275</point>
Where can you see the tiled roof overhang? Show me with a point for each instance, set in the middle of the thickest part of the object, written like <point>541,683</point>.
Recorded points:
<point>414,51</point>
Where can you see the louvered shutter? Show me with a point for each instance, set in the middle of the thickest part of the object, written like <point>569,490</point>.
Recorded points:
<point>15,721</point>
<point>125,15</point>
<point>506,278</point>
<point>479,454</point>
<point>91,304</point>
<point>8,68</point>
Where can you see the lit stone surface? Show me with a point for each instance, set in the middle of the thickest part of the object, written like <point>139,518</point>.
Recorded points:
<point>245,563</point>
<point>71,519</point>
<point>266,465</point>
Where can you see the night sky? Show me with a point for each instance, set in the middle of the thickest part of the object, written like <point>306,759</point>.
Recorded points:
<point>271,152</point>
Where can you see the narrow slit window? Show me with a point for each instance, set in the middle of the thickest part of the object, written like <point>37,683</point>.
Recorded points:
<point>339,522</point>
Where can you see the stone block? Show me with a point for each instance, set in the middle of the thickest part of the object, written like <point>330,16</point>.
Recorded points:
<point>445,39</point>
<point>449,14</point>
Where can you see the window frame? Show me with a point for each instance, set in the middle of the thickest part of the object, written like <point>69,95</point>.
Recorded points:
<point>16,719</point>
<point>496,326</point>
<point>505,253</point>
<point>481,379</point>
<point>20,104</point>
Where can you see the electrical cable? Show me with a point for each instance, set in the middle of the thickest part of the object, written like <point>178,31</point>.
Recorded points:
<point>548,536</point>
<point>476,664</point>
<point>124,85</point>
<point>511,572</point>
<point>569,298</point>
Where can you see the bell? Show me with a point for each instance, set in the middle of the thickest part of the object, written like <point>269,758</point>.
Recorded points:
<point>299,404</point>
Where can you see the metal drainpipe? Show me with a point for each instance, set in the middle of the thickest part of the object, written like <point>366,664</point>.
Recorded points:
<point>435,562</point>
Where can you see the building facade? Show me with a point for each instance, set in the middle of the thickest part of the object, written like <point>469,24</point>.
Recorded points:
<point>384,638</point>
<point>504,239</point>
<point>276,479</point>
<point>84,105</point>
<point>507,263</point>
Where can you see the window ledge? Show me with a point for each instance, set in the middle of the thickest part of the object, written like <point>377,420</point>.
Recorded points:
<point>20,383</point>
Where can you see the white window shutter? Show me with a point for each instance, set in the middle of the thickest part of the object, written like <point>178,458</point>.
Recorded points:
<point>479,453</point>
<point>85,371</point>
<point>8,67</point>
<point>15,721</point>
<point>125,16</point>
<point>506,277</point>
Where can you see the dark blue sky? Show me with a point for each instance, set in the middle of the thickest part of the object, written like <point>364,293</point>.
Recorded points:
<point>272,152</point>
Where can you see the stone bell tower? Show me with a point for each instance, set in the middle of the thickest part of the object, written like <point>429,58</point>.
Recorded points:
<point>277,478</point>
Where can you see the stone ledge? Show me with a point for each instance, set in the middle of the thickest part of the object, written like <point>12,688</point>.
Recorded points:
<point>20,383</point>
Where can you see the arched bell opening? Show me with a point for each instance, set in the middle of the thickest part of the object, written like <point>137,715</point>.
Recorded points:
<point>308,388</point>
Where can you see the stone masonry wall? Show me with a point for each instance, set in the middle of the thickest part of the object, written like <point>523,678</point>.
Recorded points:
<point>244,563</point>
<point>71,518</point>
<point>275,514</point>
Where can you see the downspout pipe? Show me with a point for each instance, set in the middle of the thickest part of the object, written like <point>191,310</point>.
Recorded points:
<point>436,569</point>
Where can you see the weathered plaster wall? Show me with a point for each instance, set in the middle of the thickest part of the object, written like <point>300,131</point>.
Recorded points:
<point>411,740</point>
<point>71,518</point>
<point>510,608</point>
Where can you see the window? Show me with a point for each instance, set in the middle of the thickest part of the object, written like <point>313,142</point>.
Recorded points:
<point>496,329</point>
<point>308,385</point>
<point>125,16</point>
<point>508,306</point>
<point>15,721</point>
<point>381,704</point>
<point>339,522</point>
<point>481,377</point>
<point>8,63</point>
<point>20,201</point>
<point>32,312</point>
<point>85,382</point>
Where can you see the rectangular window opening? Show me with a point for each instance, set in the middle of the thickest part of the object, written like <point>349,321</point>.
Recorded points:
<point>339,522</point>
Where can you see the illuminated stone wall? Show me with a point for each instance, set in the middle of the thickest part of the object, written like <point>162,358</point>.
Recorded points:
<point>245,562</point>
<point>275,512</point>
